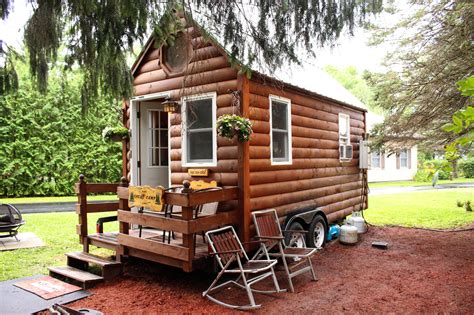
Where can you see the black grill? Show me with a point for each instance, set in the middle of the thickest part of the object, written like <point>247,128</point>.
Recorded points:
<point>10,220</point>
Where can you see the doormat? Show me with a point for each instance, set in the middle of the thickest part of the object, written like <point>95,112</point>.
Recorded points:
<point>25,240</point>
<point>47,287</point>
<point>18,301</point>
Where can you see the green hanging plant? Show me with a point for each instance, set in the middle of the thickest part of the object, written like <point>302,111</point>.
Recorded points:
<point>115,134</point>
<point>229,126</point>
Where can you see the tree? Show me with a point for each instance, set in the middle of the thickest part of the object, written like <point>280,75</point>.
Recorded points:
<point>355,82</point>
<point>435,50</point>
<point>8,75</point>
<point>462,125</point>
<point>98,34</point>
<point>46,141</point>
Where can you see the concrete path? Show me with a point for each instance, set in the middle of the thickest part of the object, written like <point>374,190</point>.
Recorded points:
<point>397,190</point>
<point>49,207</point>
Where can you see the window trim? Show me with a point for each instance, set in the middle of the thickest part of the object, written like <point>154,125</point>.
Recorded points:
<point>160,147</point>
<point>400,158</point>
<point>290,142</point>
<point>348,122</point>
<point>380,160</point>
<point>184,138</point>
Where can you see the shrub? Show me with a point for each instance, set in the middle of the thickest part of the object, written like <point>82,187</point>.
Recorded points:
<point>46,142</point>
<point>468,206</point>
<point>423,175</point>
<point>467,168</point>
<point>443,167</point>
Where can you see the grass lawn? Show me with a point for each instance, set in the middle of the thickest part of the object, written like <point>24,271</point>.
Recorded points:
<point>430,209</point>
<point>406,183</point>
<point>55,199</point>
<point>58,232</point>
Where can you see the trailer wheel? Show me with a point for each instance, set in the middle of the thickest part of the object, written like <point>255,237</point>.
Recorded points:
<point>295,239</point>
<point>317,232</point>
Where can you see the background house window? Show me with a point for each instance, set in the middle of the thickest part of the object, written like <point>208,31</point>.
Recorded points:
<point>404,158</point>
<point>344,129</point>
<point>280,130</point>
<point>200,132</point>
<point>375,160</point>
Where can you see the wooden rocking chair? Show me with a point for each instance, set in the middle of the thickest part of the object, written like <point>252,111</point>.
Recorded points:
<point>227,248</point>
<point>273,245</point>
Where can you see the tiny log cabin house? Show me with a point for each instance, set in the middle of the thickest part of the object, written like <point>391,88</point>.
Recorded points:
<point>303,155</point>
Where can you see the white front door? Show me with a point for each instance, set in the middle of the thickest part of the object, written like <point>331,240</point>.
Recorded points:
<point>153,144</point>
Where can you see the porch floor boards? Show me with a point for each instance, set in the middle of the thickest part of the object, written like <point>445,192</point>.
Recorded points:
<point>201,249</point>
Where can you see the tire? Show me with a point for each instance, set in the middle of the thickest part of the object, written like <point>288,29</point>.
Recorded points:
<point>317,232</point>
<point>294,239</point>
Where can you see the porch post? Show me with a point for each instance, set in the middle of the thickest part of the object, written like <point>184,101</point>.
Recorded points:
<point>188,239</point>
<point>82,200</point>
<point>244,163</point>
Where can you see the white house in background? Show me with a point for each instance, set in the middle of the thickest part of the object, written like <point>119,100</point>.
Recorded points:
<point>383,168</point>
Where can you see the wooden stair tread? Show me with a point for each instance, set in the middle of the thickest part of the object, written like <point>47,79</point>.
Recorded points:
<point>76,274</point>
<point>86,257</point>
<point>110,238</point>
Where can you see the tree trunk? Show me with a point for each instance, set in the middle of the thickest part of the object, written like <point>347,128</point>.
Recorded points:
<point>454,166</point>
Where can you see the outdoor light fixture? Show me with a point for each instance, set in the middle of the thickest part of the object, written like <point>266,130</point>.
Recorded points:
<point>170,106</point>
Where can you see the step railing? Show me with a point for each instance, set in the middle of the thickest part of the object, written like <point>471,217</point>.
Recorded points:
<point>84,207</point>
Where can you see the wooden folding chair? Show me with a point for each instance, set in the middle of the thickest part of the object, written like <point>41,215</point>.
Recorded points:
<point>199,210</point>
<point>273,245</point>
<point>228,250</point>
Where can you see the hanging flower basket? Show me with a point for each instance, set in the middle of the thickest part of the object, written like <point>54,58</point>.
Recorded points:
<point>229,126</point>
<point>117,134</point>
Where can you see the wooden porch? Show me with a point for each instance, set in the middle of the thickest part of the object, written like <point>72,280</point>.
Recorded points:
<point>183,251</point>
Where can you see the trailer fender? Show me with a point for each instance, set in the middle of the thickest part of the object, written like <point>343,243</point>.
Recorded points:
<point>305,216</point>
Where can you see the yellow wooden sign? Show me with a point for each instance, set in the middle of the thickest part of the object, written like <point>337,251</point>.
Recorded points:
<point>146,197</point>
<point>154,198</point>
<point>135,198</point>
<point>198,172</point>
<point>200,184</point>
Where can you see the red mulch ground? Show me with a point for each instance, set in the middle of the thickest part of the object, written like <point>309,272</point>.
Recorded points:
<point>421,272</point>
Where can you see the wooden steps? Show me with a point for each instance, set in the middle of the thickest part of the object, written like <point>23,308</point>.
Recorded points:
<point>81,260</point>
<point>86,279</point>
<point>77,270</point>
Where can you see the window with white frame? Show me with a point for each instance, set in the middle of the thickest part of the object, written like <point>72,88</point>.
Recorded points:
<point>280,130</point>
<point>375,159</point>
<point>199,125</point>
<point>344,129</point>
<point>158,138</point>
<point>404,158</point>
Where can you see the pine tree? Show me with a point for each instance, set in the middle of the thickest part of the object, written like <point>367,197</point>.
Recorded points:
<point>99,34</point>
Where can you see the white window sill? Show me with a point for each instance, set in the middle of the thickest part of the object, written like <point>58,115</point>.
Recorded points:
<point>209,164</point>
<point>282,163</point>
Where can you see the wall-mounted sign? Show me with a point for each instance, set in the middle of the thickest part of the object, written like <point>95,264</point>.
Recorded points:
<point>200,184</point>
<point>146,197</point>
<point>198,172</point>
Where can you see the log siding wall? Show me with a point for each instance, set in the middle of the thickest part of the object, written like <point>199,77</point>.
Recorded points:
<point>316,176</point>
<point>208,71</point>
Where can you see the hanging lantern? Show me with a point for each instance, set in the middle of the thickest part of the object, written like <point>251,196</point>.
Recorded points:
<point>170,106</point>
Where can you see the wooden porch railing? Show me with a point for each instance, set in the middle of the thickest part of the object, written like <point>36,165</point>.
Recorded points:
<point>181,255</point>
<point>84,207</point>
